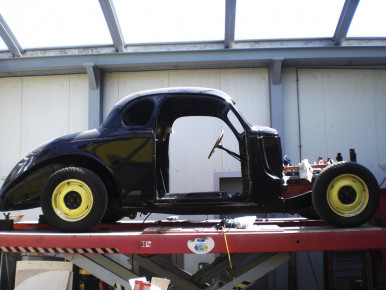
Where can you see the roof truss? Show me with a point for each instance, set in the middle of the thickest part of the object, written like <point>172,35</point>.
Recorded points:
<point>10,39</point>
<point>230,22</point>
<point>113,24</point>
<point>346,16</point>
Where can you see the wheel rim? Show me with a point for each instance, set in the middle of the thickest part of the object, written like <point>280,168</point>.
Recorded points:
<point>72,200</point>
<point>347,195</point>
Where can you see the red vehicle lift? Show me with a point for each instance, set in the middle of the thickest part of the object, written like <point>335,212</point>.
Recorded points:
<point>173,238</point>
<point>275,238</point>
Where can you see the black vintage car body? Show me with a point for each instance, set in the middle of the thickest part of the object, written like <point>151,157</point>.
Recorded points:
<point>122,168</point>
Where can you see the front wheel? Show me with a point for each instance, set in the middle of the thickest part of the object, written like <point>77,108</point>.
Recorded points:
<point>74,199</point>
<point>346,194</point>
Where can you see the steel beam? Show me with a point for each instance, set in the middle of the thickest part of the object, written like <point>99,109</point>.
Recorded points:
<point>95,96</point>
<point>230,22</point>
<point>276,98</point>
<point>93,74</point>
<point>255,270</point>
<point>179,280</point>
<point>9,38</point>
<point>172,60</point>
<point>275,68</point>
<point>346,16</point>
<point>103,268</point>
<point>113,24</point>
<point>219,266</point>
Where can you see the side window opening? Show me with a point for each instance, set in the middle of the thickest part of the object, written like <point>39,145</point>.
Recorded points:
<point>139,113</point>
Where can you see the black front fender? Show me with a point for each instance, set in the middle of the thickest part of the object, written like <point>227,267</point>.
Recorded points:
<point>25,192</point>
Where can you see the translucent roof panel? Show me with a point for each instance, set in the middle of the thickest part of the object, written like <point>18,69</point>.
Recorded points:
<point>277,19</point>
<point>47,23</point>
<point>3,46</point>
<point>369,19</point>
<point>152,21</point>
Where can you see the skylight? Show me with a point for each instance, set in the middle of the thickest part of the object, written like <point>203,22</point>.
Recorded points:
<point>45,23</point>
<point>369,20</point>
<point>278,19</point>
<point>2,45</point>
<point>149,21</point>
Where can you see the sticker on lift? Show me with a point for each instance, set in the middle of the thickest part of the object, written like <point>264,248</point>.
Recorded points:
<point>144,244</point>
<point>201,245</point>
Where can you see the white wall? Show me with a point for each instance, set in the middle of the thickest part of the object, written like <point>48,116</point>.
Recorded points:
<point>36,109</point>
<point>339,109</point>
<point>248,87</point>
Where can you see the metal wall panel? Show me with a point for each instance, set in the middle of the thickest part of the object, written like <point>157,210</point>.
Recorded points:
<point>119,85</point>
<point>51,106</point>
<point>36,109</point>
<point>193,138</point>
<point>190,168</point>
<point>380,105</point>
<point>250,91</point>
<point>291,124</point>
<point>78,105</point>
<point>340,109</point>
<point>10,116</point>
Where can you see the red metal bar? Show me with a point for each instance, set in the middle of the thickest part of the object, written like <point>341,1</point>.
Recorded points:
<point>137,226</point>
<point>164,240</point>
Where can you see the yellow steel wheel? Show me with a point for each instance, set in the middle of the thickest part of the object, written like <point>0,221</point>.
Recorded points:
<point>347,195</point>
<point>72,200</point>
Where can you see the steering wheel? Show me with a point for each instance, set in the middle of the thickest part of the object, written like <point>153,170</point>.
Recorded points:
<point>216,144</point>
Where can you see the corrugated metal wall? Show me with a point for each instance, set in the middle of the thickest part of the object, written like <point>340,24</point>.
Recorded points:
<point>193,138</point>
<point>339,109</point>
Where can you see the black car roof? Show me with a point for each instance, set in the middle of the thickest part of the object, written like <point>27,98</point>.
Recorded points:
<point>176,90</point>
<point>112,121</point>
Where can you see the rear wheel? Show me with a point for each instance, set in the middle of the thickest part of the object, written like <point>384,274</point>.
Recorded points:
<point>346,194</point>
<point>309,213</point>
<point>74,199</point>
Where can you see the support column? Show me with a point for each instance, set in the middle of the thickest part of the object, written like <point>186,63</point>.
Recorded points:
<point>276,98</point>
<point>95,96</point>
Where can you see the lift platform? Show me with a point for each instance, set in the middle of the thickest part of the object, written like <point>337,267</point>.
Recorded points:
<point>186,237</point>
<point>142,240</point>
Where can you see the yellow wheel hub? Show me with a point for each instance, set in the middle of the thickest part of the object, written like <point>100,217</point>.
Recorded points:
<point>72,200</point>
<point>347,195</point>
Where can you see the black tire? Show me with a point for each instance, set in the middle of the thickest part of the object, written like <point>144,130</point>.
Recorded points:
<point>345,194</point>
<point>111,216</point>
<point>74,199</point>
<point>309,213</point>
